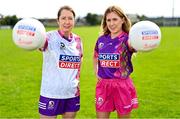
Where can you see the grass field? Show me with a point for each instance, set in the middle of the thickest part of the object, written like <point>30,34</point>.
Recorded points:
<point>156,76</point>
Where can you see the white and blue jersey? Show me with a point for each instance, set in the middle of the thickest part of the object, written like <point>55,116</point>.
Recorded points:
<point>61,66</point>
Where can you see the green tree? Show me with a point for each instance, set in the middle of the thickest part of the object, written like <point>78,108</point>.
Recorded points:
<point>142,17</point>
<point>9,20</point>
<point>93,19</point>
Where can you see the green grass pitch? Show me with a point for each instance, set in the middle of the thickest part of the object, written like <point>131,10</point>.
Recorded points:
<point>156,76</point>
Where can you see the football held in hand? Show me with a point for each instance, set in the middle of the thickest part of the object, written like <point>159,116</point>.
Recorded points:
<point>29,34</point>
<point>144,36</point>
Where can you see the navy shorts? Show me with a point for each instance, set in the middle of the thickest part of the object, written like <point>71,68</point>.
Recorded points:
<point>53,107</point>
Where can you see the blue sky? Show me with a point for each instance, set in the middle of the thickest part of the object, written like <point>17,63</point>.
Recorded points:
<point>49,8</point>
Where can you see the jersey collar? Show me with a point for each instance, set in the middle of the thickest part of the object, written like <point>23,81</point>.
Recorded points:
<point>69,39</point>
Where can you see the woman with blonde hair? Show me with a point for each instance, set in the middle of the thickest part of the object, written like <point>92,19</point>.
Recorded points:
<point>112,64</point>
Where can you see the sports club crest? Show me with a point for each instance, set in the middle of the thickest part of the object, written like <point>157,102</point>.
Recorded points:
<point>100,45</point>
<point>51,105</point>
<point>99,100</point>
<point>62,46</point>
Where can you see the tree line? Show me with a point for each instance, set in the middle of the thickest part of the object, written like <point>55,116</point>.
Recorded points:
<point>90,19</point>
<point>9,20</point>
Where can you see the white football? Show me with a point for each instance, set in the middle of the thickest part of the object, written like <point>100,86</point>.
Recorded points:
<point>144,36</point>
<point>29,34</point>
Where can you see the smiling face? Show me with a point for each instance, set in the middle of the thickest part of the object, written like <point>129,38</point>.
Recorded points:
<point>66,21</point>
<point>114,23</point>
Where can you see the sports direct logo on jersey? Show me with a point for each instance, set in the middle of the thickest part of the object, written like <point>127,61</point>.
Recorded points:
<point>109,60</point>
<point>69,62</point>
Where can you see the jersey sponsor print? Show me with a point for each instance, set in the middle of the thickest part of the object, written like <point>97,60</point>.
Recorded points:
<point>69,62</point>
<point>109,60</point>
